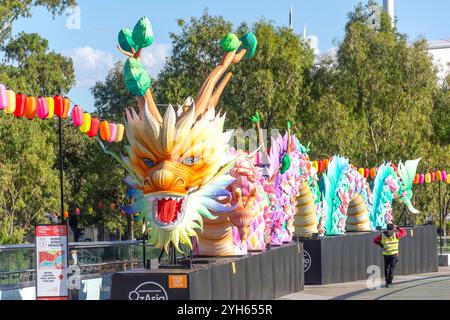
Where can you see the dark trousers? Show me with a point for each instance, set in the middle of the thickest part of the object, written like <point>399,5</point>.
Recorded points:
<point>389,268</point>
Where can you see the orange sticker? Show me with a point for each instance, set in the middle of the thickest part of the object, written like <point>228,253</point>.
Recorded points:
<point>178,281</point>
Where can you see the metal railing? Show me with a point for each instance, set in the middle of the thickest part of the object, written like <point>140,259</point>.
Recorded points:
<point>17,262</point>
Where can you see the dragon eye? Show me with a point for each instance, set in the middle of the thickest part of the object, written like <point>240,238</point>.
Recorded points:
<point>191,161</point>
<point>148,162</point>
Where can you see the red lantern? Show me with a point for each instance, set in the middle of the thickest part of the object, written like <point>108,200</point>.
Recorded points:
<point>66,102</point>
<point>59,105</point>
<point>433,176</point>
<point>320,163</point>
<point>77,116</point>
<point>95,124</point>
<point>366,173</point>
<point>21,101</point>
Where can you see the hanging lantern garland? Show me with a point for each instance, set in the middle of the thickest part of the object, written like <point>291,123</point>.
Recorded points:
<point>30,107</point>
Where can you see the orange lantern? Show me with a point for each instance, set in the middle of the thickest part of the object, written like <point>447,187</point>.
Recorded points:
<point>104,130</point>
<point>66,102</point>
<point>416,179</point>
<point>66,214</point>
<point>438,176</point>
<point>325,164</point>
<point>31,108</point>
<point>372,173</point>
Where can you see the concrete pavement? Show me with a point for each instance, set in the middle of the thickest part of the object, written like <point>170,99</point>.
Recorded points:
<point>426,286</point>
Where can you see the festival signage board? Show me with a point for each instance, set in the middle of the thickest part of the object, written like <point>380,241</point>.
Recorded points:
<point>51,262</point>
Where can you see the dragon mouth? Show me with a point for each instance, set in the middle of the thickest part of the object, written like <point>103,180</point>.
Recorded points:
<point>168,210</point>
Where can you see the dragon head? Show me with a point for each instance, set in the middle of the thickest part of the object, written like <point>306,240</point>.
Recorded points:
<point>176,166</point>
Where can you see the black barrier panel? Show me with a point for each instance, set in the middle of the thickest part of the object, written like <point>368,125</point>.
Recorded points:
<point>347,257</point>
<point>265,275</point>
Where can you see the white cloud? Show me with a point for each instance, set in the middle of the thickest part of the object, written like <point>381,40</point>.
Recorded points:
<point>91,65</point>
<point>154,57</point>
<point>314,43</point>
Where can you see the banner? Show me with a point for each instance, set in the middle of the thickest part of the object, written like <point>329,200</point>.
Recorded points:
<point>51,262</point>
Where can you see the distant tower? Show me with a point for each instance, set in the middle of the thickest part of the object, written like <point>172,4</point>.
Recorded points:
<point>388,6</point>
<point>290,17</point>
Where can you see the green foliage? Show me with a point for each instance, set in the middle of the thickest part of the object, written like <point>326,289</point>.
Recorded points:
<point>28,179</point>
<point>271,81</point>
<point>11,10</point>
<point>136,78</point>
<point>143,33</point>
<point>230,42</point>
<point>33,70</point>
<point>111,97</point>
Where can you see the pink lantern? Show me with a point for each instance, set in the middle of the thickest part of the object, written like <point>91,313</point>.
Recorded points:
<point>444,175</point>
<point>3,97</point>
<point>77,116</point>
<point>77,211</point>
<point>421,178</point>
<point>42,108</point>
<point>112,132</point>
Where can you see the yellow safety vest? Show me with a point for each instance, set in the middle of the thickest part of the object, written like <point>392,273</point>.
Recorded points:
<point>390,244</point>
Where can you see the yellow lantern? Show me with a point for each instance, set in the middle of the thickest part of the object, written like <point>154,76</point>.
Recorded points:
<point>315,164</point>
<point>51,107</point>
<point>448,179</point>
<point>86,126</point>
<point>361,171</point>
<point>120,132</point>
<point>428,178</point>
<point>11,102</point>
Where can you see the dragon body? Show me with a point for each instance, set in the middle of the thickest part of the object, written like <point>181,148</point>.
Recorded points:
<point>193,190</point>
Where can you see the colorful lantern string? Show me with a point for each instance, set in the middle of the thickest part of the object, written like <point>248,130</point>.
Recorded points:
<point>21,105</point>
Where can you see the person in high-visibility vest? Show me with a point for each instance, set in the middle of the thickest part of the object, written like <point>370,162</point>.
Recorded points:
<point>388,240</point>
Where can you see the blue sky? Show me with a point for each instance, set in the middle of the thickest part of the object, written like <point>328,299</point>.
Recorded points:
<point>92,46</point>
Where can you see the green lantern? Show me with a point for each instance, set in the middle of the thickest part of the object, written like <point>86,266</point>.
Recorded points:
<point>143,33</point>
<point>249,43</point>
<point>230,42</point>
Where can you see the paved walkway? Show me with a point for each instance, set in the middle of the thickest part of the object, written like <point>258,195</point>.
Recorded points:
<point>427,286</point>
